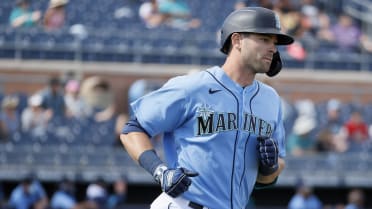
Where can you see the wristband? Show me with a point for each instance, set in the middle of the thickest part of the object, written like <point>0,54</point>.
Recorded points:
<point>265,186</point>
<point>149,160</point>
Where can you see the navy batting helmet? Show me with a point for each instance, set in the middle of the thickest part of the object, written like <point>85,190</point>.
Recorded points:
<point>255,20</point>
<point>252,20</point>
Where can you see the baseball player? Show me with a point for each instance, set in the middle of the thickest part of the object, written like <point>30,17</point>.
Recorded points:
<point>222,129</point>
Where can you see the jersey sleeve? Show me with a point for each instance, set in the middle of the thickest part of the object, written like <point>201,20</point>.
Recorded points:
<point>162,110</point>
<point>279,133</point>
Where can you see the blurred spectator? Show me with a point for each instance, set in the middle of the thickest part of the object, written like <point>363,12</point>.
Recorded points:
<point>9,118</point>
<point>304,198</point>
<point>253,3</point>
<point>355,199</point>
<point>334,121</point>
<point>177,14</point>
<point>119,196</point>
<point>306,107</point>
<point>54,17</point>
<point>298,25</point>
<point>312,19</point>
<point>356,131</point>
<point>53,98</point>
<point>79,31</point>
<point>34,118</point>
<point>289,115</point>
<point>366,42</point>
<point>97,192</point>
<point>75,104</point>
<point>149,13</point>
<point>28,194</point>
<point>300,142</point>
<point>22,16</point>
<point>98,97</point>
<point>290,21</point>
<point>311,11</point>
<point>64,197</point>
<point>240,4</point>
<point>346,34</point>
<point>330,137</point>
<point>325,141</point>
<point>174,13</point>
<point>284,6</point>
<point>324,32</point>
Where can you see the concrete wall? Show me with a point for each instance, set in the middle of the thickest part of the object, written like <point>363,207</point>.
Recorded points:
<point>292,84</point>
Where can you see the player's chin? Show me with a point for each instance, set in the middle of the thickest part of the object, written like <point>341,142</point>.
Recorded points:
<point>265,68</point>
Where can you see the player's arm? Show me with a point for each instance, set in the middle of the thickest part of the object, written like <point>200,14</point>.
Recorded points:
<point>136,143</point>
<point>173,181</point>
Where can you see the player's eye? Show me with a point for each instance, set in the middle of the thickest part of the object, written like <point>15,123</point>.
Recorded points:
<point>265,39</point>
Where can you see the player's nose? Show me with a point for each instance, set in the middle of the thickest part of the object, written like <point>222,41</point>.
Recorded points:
<point>273,48</point>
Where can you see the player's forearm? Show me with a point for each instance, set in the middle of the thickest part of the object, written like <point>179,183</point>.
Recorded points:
<point>270,178</point>
<point>136,143</point>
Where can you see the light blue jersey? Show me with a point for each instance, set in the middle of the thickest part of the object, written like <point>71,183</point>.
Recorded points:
<point>210,125</point>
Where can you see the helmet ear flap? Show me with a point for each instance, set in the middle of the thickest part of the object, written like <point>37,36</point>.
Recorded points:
<point>276,65</point>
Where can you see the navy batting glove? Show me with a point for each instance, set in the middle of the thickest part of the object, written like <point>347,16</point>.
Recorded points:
<point>174,182</point>
<point>267,151</point>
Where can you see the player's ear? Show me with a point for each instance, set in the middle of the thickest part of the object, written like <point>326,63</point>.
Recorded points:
<point>236,41</point>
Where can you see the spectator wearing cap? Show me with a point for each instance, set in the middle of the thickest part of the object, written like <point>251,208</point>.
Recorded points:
<point>34,118</point>
<point>28,194</point>
<point>55,15</point>
<point>97,192</point>
<point>304,198</point>
<point>300,141</point>
<point>53,99</point>
<point>22,16</point>
<point>65,198</point>
<point>9,117</point>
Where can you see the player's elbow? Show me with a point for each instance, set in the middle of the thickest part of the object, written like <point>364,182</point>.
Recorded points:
<point>123,138</point>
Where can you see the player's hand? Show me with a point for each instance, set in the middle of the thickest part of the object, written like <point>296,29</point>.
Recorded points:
<point>267,151</point>
<point>174,181</point>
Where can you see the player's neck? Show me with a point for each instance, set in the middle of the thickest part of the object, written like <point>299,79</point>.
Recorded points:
<point>241,76</point>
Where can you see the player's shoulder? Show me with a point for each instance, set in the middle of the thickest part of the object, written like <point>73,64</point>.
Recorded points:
<point>267,89</point>
<point>193,79</point>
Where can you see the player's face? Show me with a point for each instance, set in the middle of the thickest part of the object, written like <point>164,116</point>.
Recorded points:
<point>257,51</point>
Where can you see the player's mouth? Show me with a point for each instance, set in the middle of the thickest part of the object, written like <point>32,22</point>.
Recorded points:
<point>267,59</point>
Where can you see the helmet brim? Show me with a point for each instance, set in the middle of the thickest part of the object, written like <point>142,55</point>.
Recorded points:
<point>283,39</point>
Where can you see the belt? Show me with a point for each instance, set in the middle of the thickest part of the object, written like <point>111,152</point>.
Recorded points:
<point>195,205</point>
